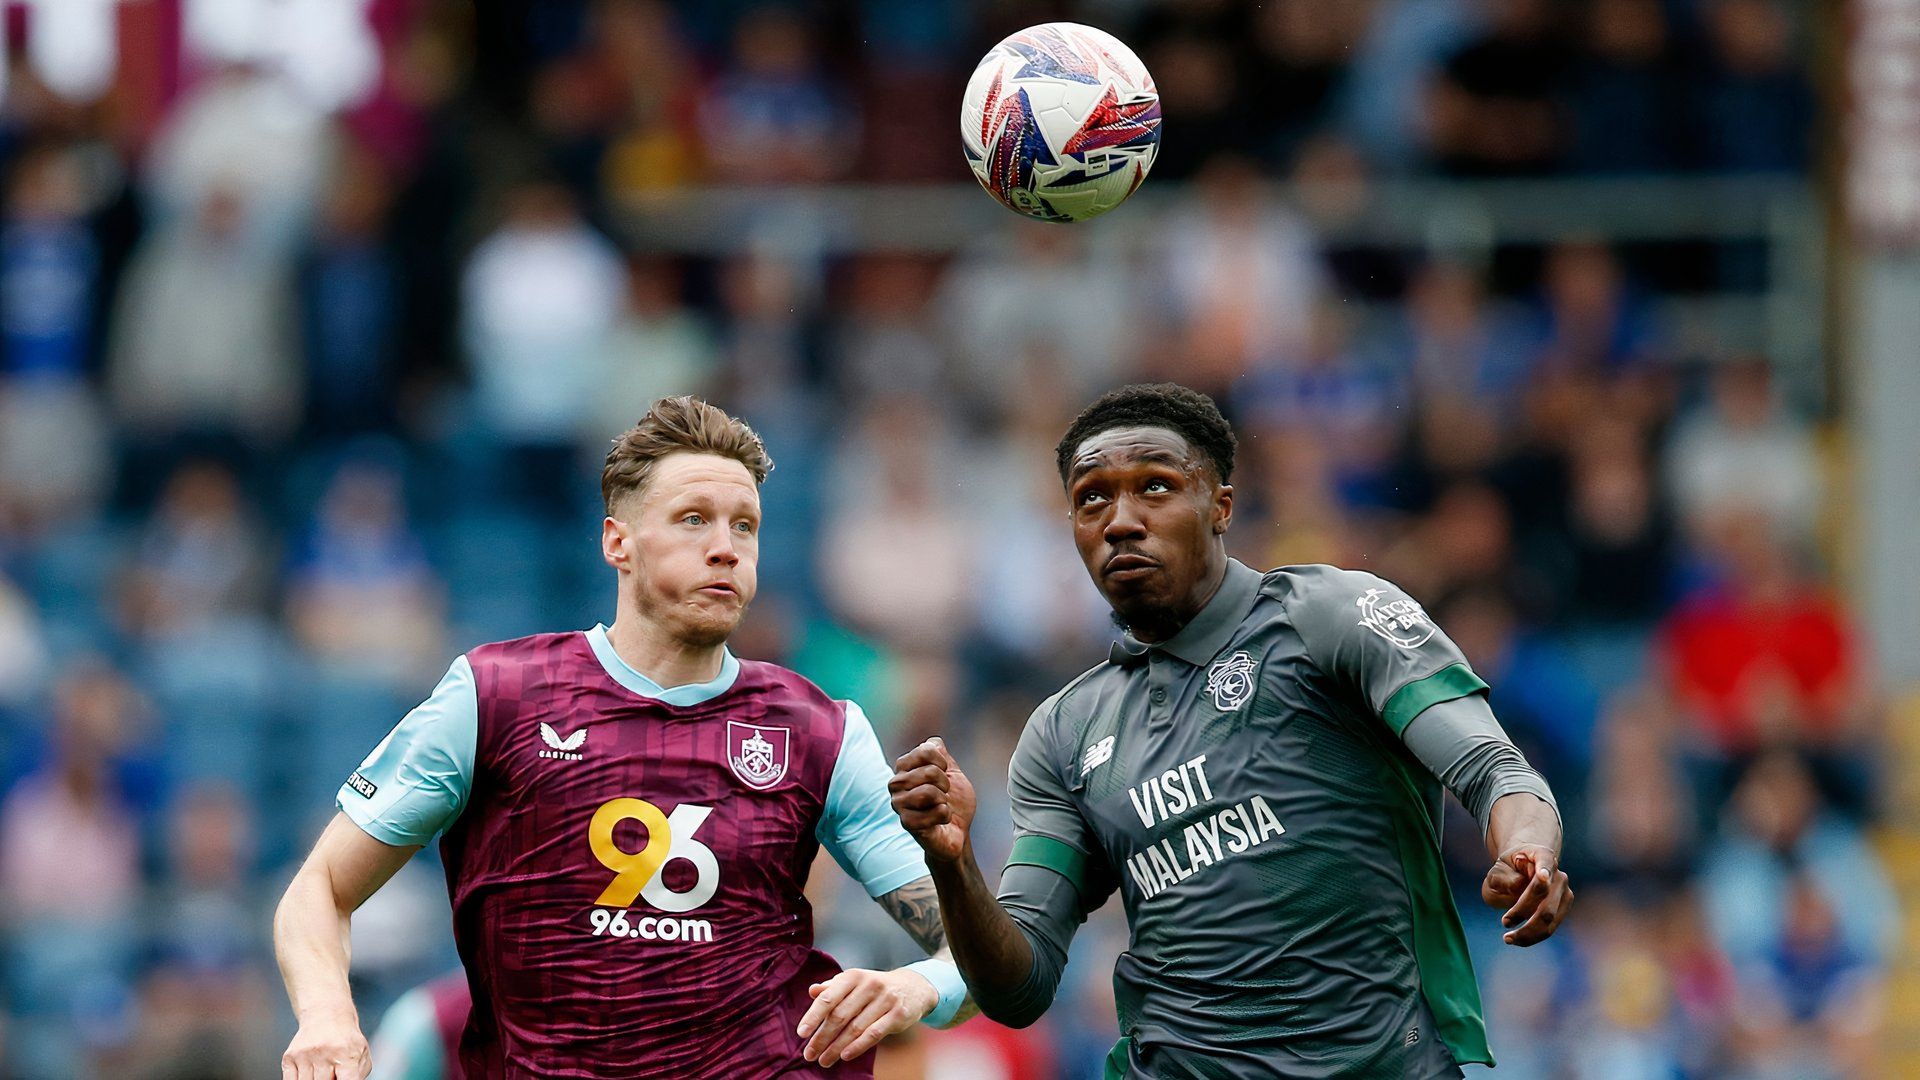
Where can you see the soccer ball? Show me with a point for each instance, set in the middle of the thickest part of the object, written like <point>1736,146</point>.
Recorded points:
<point>1060,122</point>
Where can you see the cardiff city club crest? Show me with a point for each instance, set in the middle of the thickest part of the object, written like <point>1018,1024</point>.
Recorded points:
<point>758,753</point>
<point>1400,621</point>
<point>1230,681</point>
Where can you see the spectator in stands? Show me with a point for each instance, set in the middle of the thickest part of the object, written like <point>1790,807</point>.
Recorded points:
<point>1754,104</point>
<point>1495,109</point>
<point>202,557</point>
<point>203,331</point>
<point>52,439</point>
<point>645,55</point>
<point>884,339</point>
<point>205,999</point>
<point>894,554</point>
<point>1451,343</point>
<point>1299,65</point>
<point>1742,451</point>
<point>350,303</point>
<point>1813,1003</point>
<point>1241,275</point>
<point>1005,307</point>
<point>1614,561</point>
<point>541,295</point>
<point>1589,316</point>
<point>773,117</point>
<point>70,882</point>
<point>1766,656</point>
<point>1623,91</point>
<point>660,347</point>
<point>360,594</point>
<point>1796,896</point>
<point>1642,827</point>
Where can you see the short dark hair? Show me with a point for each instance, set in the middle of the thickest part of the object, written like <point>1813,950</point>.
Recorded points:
<point>678,424</point>
<point>1187,413</point>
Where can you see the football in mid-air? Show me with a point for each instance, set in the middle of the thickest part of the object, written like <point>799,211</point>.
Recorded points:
<point>1060,122</point>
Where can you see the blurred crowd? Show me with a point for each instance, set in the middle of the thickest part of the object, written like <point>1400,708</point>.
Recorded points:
<point>304,384</point>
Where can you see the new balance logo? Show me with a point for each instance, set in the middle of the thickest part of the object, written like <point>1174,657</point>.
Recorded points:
<point>1098,754</point>
<point>562,748</point>
<point>1413,1036</point>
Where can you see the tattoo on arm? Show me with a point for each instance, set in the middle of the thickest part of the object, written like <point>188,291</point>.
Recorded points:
<point>916,907</point>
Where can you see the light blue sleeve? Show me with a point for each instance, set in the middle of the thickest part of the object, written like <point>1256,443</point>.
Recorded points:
<point>415,783</point>
<point>858,827</point>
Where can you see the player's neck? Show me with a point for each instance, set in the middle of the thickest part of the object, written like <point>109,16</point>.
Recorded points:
<point>668,661</point>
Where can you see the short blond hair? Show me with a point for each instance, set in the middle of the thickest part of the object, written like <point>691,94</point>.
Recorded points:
<point>683,424</point>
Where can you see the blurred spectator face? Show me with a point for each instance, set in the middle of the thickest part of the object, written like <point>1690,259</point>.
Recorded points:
<point>46,187</point>
<point>1195,77</point>
<point>355,206</point>
<point>1750,36</point>
<point>1331,179</point>
<point>1583,281</point>
<point>222,215</point>
<point>1776,801</point>
<point>208,839</point>
<point>772,43</point>
<point>1517,18</point>
<point>1446,300</point>
<point>691,542</point>
<point>1627,31</point>
<point>1470,533</point>
<point>1743,393</point>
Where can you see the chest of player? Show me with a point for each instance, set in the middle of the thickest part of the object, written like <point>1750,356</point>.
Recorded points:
<point>1247,773</point>
<point>675,803</point>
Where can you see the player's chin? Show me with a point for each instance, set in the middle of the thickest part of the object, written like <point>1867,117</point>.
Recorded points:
<point>709,621</point>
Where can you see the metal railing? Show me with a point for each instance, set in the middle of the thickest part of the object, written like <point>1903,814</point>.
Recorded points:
<point>1468,219</point>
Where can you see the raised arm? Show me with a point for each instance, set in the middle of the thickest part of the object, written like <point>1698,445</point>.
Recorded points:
<point>936,803</point>
<point>1011,948</point>
<point>311,940</point>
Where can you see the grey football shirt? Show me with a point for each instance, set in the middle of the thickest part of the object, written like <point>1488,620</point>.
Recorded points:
<point>1245,789</point>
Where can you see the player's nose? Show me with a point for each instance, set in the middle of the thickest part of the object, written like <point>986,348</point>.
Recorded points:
<point>1126,522</point>
<point>722,552</point>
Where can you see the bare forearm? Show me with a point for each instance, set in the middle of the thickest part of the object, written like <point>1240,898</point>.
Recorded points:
<point>1522,819</point>
<point>987,944</point>
<point>310,939</point>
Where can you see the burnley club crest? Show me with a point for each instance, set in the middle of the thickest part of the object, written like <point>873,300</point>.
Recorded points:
<point>758,753</point>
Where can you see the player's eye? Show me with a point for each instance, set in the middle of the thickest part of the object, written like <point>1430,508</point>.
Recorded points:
<point>747,527</point>
<point>1160,485</point>
<point>693,519</point>
<point>1090,496</point>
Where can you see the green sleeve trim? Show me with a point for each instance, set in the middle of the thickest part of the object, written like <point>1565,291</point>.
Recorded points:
<point>1450,682</point>
<point>1439,941</point>
<point>1055,855</point>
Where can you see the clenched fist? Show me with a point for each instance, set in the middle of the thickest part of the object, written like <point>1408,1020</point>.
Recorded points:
<point>934,799</point>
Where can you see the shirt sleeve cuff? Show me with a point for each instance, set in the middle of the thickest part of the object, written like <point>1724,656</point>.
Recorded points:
<point>374,827</point>
<point>947,982</point>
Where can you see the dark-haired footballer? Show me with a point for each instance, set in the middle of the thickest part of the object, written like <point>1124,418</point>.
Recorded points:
<point>1257,769</point>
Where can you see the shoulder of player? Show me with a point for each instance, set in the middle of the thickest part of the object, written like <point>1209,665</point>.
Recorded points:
<point>523,650</point>
<point>1070,707</point>
<point>1310,587</point>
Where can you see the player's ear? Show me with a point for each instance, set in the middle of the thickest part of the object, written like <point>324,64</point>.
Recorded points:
<point>1222,508</point>
<point>613,544</point>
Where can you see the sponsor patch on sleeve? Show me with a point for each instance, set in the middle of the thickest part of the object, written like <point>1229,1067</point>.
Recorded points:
<point>361,784</point>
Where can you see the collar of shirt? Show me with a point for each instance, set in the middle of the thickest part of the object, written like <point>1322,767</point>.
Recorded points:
<point>1208,632</point>
<point>683,696</point>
